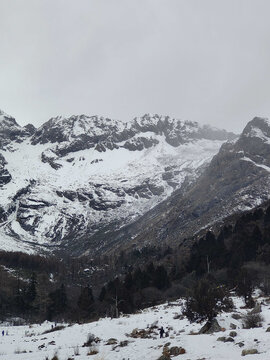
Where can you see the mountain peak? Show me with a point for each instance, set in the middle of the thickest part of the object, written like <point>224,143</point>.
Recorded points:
<point>7,119</point>
<point>257,128</point>
<point>256,135</point>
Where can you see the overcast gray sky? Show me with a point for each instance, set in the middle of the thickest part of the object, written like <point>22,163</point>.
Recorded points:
<point>203,60</point>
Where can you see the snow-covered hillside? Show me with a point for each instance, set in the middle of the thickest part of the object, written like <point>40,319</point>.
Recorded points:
<point>74,176</point>
<point>236,180</point>
<point>115,342</point>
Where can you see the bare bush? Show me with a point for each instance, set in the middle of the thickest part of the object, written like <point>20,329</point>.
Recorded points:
<point>252,321</point>
<point>76,350</point>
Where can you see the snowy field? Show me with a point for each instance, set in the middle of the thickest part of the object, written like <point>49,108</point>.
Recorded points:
<point>29,342</point>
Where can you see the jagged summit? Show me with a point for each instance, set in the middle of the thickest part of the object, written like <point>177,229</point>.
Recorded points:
<point>105,133</point>
<point>85,176</point>
<point>10,130</point>
<point>61,129</point>
<point>257,123</point>
<point>254,141</point>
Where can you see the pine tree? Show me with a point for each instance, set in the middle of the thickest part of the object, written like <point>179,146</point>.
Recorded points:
<point>86,299</point>
<point>31,292</point>
<point>160,278</point>
<point>205,301</point>
<point>58,302</point>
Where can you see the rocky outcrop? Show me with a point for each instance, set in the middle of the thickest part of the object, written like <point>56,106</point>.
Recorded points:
<point>5,176</point>
<point>50,160</point>
<point>140,143</point>
<point>210,327</point>
<point>11,131</point>
<point>249,352</point>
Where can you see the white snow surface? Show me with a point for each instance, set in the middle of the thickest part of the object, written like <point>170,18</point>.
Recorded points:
<point>257,132</point>
<point>265,167</point>
<point>29,342</point>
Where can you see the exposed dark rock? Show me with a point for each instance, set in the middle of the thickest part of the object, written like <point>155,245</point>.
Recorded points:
<point>50,161</point>
<point>34,204</point>
<point>236,316</point>
<point>59,193</point>
<point>103,205</point>
<point>225,339</point>
<point>100,147</point>
<point>210,327</point>
<point>240,344</point>
<point>155,189</point>
<point>139,143</point>
<point>23,191</point>
<point>167,175</point>
<point>3,215</point>
<point>10,130</point>
<point>249,352</point>
<point>70,195</point>
<point>82,197</point>
<point>257,309</point>
<point>177,350</point>
<point>30,129</point>
<point>111,341</point>
<point>5,176</point>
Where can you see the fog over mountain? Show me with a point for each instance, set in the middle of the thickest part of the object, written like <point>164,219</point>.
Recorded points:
<point>204,61</point>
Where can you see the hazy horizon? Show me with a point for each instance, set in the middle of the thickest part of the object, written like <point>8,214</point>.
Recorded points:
<point>203,61</point>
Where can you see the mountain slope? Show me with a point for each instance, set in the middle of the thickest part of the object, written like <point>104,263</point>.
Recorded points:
<point>75,177</point>
<point>237,179</point>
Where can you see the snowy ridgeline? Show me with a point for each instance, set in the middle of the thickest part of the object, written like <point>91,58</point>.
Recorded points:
<point>122,338</point>
<point>82,174</point>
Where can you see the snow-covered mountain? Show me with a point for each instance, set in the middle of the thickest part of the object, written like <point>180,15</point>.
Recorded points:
<point>237,179</point>
<point>76,177</point>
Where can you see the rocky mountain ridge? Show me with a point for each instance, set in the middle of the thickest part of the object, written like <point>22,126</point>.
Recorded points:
<point>237,179</point>
<point>73,177</point>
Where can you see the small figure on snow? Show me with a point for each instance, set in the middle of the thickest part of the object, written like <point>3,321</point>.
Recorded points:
<point>161,332</point>
<point>3,332</point>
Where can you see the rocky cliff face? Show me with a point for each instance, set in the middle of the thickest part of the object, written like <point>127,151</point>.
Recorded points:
<point>82,178</point>
<point>237,179</point>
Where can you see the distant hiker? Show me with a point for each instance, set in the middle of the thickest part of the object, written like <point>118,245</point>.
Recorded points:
<point>3,332</point>
<point>161,332</point>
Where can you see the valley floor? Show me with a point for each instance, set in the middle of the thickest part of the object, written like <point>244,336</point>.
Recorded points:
<point>29,342</point>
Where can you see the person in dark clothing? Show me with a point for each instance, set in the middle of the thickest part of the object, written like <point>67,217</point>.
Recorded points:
<point>161,332</point>
<point>3,332</point>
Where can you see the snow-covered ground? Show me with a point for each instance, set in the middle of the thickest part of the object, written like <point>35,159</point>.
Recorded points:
<point>29,342</point>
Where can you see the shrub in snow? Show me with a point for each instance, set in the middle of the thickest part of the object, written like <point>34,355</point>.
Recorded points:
<point>206,300</point>
<point>252,321</point>
<point>92,350</point>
